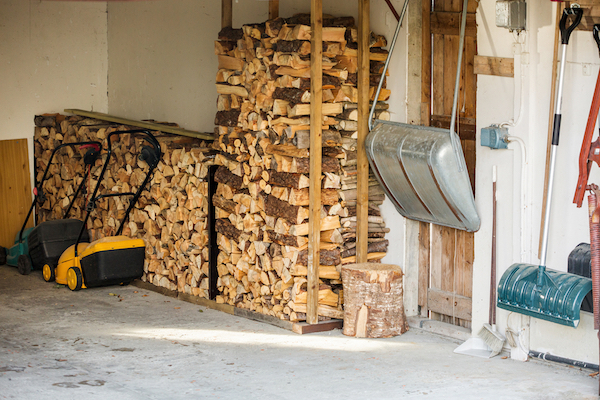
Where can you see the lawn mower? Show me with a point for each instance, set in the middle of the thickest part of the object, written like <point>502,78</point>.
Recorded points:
<point>110,260</point>
<point>48,240</point>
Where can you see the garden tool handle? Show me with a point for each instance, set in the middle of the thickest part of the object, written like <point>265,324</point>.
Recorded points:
<point>565,31</point>
<point>595,32</point>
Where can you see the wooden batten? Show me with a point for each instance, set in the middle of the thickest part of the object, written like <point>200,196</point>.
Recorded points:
<point>362,200</point>
<point>316,115</point>
<point>226,13</point>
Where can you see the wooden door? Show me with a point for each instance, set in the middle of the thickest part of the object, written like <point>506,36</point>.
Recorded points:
<point>446,261</point>
<point>15,189</point>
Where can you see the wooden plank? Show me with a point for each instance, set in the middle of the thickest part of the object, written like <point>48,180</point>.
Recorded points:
<point>448,23</point>
<point>362,199</point>
<point>466,129</point>
<point>435,265</point>
<point>316,132</point>
<point>470,78</point>
<point>450,64</point>
<point>260,317</point>
<point>273,9</point>
<point>591,13</point>
<point>425,63</point>
<point>141,124</point>
<point>15,189</point>
<point>424,261</point>
<point>226,13</point>
<point>300,328</point>
<point>324,326</point>
<point>448,303</point>
<point>496,66</point>
<point>437,93</point>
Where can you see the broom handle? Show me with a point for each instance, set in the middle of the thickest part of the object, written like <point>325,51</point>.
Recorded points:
<point>492,313</point>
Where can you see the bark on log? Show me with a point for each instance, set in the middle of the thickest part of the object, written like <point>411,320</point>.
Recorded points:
<point>373,300</point>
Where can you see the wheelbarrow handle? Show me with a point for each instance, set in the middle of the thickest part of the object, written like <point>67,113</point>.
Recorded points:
<point>595,32</point>
<point>565,31</point>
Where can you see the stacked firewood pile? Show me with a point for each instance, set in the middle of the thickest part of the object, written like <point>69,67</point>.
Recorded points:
<point>262,196</point>
<point>171,215</point>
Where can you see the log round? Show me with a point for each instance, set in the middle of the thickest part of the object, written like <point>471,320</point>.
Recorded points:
<point>373,300</point>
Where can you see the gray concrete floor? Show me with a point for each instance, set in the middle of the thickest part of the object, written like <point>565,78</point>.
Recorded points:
<point>129,343</point>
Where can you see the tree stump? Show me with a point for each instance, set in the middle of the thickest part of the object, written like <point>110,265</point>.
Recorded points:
<point>373,300</point>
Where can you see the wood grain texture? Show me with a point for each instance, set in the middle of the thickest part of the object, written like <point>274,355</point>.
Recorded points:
<point>373,300</point>
<point>316,115</point>
<point>362,200</point>
<point>15,189</point>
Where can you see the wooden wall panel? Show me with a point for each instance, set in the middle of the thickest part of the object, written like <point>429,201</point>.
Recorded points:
<point>451,251</point>
<point>15,189</point>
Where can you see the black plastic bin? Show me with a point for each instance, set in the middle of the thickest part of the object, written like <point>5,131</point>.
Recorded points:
<point>50,239</point>
<point>113,267</point>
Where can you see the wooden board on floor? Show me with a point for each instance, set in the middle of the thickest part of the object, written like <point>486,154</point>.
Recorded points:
<point>15,189</point>
<point>296,327</point>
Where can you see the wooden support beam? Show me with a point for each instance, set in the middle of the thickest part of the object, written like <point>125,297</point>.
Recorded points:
<point>362,199</point>
<point>273,9</point>
<point>494,66</point>
<point>141,124</point>
<point>316,131</point>
<point>226,13</point>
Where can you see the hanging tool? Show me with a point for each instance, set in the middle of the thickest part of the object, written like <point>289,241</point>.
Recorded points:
<point>422,169</point>
<point>535,290</point>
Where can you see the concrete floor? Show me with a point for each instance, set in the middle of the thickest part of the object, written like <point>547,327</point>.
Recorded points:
<point>128,343</point>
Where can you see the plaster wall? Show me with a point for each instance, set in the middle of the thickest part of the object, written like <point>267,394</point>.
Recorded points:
<point>520,203</point>
<point>162,64</point>
<point>53,56</point>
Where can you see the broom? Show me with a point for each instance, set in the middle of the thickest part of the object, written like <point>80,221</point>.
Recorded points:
<point>488,332</point>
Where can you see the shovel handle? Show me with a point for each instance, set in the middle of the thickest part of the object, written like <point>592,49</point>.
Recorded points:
<point>595,32</point>
<point>565,31</point>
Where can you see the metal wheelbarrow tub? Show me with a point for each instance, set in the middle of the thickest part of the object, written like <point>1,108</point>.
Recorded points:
<point>420,173</point>
<point>547,294</point>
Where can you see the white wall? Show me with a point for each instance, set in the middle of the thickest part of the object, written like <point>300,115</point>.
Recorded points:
<point>53,56</point>
<point>162,64</point>
<point>498,101</point>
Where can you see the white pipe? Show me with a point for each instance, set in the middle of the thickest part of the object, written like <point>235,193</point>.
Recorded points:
<point>523,204</point>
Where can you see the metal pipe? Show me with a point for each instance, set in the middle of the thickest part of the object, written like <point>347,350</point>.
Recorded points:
<point>453,136</point>
<point>387,62</point>
<point>562,360</point>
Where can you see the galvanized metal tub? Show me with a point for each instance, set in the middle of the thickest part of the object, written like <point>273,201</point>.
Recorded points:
<point>555,296</point>
<point>419,171</point>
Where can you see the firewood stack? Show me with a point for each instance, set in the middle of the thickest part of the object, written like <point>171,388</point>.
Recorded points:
<point>171,215</point>
<point>262,196</point>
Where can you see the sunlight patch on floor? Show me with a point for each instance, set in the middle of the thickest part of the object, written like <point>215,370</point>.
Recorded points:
<point>259,339</point>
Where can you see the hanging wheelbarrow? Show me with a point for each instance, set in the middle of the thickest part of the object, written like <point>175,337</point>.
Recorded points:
<point>422,169</point>
<point>535,290</point>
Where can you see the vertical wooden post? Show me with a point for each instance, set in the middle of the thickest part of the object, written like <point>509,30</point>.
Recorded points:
<point>362,186</point>
<point>226,13</point>
<point>316,127</point>
<point>273,9</point>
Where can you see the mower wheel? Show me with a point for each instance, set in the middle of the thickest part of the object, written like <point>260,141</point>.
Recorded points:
<point>48,273</point>
<point>2,255</point>
<point>24,264</point>
<point>74,279</point>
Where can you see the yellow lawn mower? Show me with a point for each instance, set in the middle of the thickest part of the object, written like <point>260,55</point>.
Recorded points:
<point>110,260</point>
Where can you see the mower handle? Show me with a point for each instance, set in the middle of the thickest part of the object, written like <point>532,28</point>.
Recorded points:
<point>154,153</point>
<point>565,31</point>
<point>38,191</point>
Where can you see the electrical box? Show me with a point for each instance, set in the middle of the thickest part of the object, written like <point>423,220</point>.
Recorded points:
<point>494,137</point>
<point>511,14</point>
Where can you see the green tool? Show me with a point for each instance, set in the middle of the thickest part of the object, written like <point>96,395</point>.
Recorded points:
<point>535,290</point>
